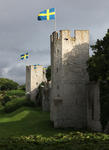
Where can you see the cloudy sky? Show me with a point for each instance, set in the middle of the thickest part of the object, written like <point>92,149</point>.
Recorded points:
<point>20,31</point>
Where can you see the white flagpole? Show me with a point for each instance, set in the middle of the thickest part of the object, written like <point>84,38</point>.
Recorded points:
<point>55,20</point>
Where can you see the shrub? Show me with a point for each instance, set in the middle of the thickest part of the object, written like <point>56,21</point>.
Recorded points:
<point>98,69</point>
<point>17,103</point>
<point>48,73</point>
<point>104,101</point>
<point>22,87</point>
<point>15,93</point>
<point>71,141</point>
<point>5,100</point>
<point>7,84</point>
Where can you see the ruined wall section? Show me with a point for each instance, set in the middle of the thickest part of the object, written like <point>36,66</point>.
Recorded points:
<point>93,107</point>
<point>69,78</point>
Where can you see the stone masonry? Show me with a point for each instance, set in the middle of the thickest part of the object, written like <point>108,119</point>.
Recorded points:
<point>34,77</point>
<point>69,80</point>
<point>93,107</point>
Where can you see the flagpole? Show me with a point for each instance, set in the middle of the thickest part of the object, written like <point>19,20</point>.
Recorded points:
<point>55,20</point>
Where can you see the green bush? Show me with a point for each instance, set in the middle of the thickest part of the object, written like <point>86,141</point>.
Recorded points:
<point>5,100</point>
<point>71,141</point>
<point>22,87</point>
<point>15,93</point>
<point>98,69</point>
<point>6,96</point>
<point>7,84</point>
<point>48,73</point>
<point>104,101</point>
<point>17,103</point>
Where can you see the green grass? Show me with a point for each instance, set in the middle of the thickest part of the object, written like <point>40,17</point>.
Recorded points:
<point>28,128</point>
<point>17,103</point>
<point>31,129</point>
<point>26,121</point>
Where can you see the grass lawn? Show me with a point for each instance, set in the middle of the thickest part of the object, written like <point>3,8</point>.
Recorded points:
<point>34,130</point>
<point>28,128</point>
<point>27,121</point>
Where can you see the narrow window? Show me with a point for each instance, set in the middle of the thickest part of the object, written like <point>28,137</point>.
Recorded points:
<point>92,109</point>
<point>58,95</point>
<point>58,87</point>
<point>57,50</point>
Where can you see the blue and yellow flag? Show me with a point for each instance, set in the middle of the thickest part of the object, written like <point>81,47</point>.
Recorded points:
<point>24,56</point>
<point>35,66</point>
<point>48,14</point>
<point>45,68</point>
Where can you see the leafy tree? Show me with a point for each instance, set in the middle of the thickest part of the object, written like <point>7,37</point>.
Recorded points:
<point>22,87</point>
<point>98,69</point>
<point>48,73</point>
<point>98,64</point>
<point>7,84</point>
<point>5,100</point>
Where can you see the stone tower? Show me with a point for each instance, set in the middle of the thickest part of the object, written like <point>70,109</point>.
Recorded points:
<point>34,77</point>
<point>74,100</point>
<point>69,78</point>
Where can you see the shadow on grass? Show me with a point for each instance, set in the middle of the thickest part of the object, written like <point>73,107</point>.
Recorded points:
<point>27,121</point>
<point>31,121</point>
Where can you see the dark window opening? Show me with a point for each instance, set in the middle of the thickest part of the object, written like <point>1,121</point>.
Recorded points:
<point>58,95</point>
<point>57,50</point>
<point>92,110</point>
<point>58,87</point>
<point>66,39</point>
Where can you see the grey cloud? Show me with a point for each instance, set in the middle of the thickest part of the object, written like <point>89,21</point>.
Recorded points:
<point>17,73</point>
<point>20,30</point>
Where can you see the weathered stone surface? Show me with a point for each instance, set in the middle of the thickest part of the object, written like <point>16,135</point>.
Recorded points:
<point>46,96</point>
<point>34,77</point>
<point>93,107</point>
<point>69,91</point>
<point>73,101</point>
<point>107,128</point>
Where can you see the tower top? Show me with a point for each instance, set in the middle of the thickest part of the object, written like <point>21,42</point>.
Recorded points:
<point>81,35</point>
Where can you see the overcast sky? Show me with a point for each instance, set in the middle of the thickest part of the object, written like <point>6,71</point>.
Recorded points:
<point>20,31</point>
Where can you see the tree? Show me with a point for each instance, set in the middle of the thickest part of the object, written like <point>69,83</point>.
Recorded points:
<point>98,69</point>
<point>22,87</point>
<point>98,64</point>
<point>48,73</point>
<point>7,84</point>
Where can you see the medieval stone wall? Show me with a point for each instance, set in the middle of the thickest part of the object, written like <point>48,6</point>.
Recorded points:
<point>73,100</point>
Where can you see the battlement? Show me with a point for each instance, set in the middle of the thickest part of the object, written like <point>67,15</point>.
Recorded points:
<point>79,35</point>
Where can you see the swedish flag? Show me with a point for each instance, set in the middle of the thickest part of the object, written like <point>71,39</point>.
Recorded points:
<point>48,14</point>
<point>24,56</point>
<point>45,68</point>
<point>35,66</point>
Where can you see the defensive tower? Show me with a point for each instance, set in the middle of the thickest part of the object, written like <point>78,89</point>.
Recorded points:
<point>34,77</point>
